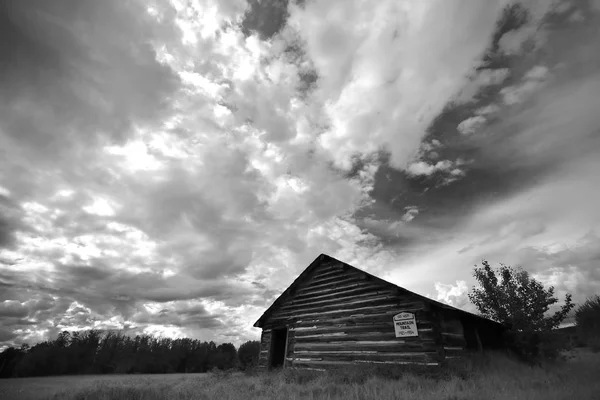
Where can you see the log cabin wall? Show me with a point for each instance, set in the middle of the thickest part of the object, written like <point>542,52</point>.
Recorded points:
<point>265,345</point>
<point>338,316</point>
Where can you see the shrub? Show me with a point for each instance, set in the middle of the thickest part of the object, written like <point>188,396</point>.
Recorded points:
<point>248,354</point>
<point>520,303</point>
<point>587,320</point>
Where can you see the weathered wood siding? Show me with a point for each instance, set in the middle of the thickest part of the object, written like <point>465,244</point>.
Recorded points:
<point>338,317</point>
<point>265,346</point>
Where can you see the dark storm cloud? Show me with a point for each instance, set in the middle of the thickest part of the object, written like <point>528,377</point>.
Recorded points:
<point>13,309</point>
<point>515,150</point>
<point>266,17</point>
<point>218,244</point>
<point>10,222</point>
<point>6,335</point>
<point>189,316</point>
<point>106,290</point>
<point>75,75</point>
<point>101,293</point>
<point>97,284</point>
<point>26,309</point>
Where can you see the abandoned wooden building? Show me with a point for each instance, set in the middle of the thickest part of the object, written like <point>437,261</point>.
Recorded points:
<point>334,314</point>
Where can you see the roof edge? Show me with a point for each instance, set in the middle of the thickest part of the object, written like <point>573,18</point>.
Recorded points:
<point>312,265</point>
<point>322,257</point>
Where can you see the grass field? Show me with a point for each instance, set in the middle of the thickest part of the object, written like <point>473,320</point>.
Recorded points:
<point>496,379</point>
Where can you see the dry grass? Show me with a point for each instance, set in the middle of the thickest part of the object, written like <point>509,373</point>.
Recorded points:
<point>498,378</point>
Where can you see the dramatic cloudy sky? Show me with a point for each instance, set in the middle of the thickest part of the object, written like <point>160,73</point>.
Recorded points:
<point>170,167</point>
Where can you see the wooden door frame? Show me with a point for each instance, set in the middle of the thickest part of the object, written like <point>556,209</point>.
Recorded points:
<point>287,335</point>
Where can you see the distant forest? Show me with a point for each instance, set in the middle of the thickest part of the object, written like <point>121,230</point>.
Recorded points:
<point>97,352</point>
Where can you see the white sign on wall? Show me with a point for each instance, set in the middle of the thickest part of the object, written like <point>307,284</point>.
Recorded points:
<point>405,324</point>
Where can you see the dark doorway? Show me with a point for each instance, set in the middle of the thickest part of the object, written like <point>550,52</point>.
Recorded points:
<point>471,333</point>
<point>278,347</point>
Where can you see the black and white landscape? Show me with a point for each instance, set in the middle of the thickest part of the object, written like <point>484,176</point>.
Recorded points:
<point>170,167</point>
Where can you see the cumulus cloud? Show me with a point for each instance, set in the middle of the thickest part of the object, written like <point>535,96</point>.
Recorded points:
<point>449,171</point>
<point>531,82</point>
<point>486,110</point>
<point>481,79</point>
<point>453,294</point>
<point>423,168</point>
<point>471,125</point>
<point>365,94</point>
<point>411,213</point>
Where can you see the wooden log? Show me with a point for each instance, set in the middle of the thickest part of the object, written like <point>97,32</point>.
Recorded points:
<point>309,290</point>
<point>342,336</point>
<point>347,329</point>
<point>355,305</point>
<point>325,271</point>
<point>381,322</point>
<point>371,300</point>
<point>316,281</point>
<point>349,317</point>
<point>388,354</point>
<point>422,357</point>
<point>354,290</point>
<point>330,271</point>
<point>341,282</point>
<point>309,293</point>
<point>284,316</point>
<point>337,298</point>
<point>329,264</point>
<point>309,361</point>
<point>339,327</point>
<point>452,348</point>
<point>378,327</point>
<point>390,348</point>
<point>333,271</point>
<point>340,313</point>
<point>454,335</point>
<point>333,302</point>
<point>421,316</point>
<point>342,344</point>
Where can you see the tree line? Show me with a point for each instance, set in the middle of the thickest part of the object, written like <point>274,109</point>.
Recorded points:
<point>98,352</point>
<point>509,296</point>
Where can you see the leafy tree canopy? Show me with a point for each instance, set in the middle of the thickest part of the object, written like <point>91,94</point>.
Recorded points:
<point>516,300</point>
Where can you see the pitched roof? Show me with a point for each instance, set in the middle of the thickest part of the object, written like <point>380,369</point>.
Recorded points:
<point>324,258</point>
